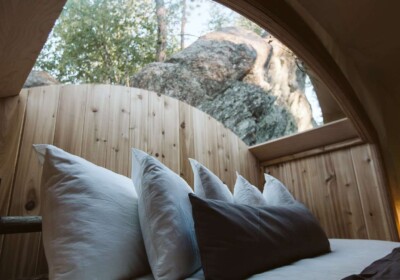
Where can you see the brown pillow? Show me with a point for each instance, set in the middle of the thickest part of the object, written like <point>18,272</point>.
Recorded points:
<point>237,241</point>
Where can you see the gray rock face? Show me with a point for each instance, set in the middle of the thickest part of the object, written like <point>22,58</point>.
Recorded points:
<point>39,78</point>
<point>200,72</point>
<point>246,82</point>
<point>250,113</point>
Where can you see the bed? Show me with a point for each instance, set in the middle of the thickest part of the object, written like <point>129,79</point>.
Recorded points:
<point>168,229</point>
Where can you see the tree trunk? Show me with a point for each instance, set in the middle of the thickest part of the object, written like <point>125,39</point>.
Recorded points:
<point>183,24</point>
<point>161,13</point>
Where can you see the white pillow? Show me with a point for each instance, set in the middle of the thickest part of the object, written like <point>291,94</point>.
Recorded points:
<point>275,192</point>
<point>90,220</point>
<point>246,193</point>
<point>166,218</point>
<point>207,185</point>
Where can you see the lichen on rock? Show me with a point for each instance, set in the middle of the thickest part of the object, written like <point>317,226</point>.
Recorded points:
<point>251,84</point>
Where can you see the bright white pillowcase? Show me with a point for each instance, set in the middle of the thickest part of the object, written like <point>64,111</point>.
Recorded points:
<point>90,220</point>
<point>166,218</point>
<point>246,193</point>
<point>276,193</point>
<point>207,185</point>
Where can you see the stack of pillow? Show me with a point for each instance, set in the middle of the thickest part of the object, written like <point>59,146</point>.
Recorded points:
<point>101,225</point>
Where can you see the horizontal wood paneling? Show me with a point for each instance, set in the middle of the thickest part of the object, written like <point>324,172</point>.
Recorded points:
<point>101,123</point>
<point>344,189</point>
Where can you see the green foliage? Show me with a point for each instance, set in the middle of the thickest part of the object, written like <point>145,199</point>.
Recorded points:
<point>221,17</point>
<point>101,41</point>
<point>241,21</point>
<point>108,41</point>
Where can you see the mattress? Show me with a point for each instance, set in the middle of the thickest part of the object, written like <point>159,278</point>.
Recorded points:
<point>348,256</point>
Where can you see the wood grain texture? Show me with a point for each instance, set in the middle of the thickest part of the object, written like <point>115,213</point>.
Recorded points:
<point>139,127</point>
<point>24,28</point>
<point>186,141</point>
<point>96,121</point>
<point>332,133</point>
<point>118,130</point>
<point>373,194</point>
<point>41,112</point>
<point>71,113</point>
<point>12,113</point>
<point>345,191</point>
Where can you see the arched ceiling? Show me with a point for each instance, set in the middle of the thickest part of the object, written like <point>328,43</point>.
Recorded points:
<point>355,49</point>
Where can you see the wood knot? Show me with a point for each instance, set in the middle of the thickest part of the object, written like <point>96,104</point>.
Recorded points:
<point>329,178</point>
<point>183,125</point>
<point>94,110</point>
<point>156,154</point>
<point>30,205</point>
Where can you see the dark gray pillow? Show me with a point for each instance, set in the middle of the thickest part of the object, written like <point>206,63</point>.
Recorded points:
<point>237,241</point>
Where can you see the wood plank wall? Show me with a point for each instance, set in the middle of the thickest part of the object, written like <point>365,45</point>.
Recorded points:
<point>344,189</point>
<point>101,123</point>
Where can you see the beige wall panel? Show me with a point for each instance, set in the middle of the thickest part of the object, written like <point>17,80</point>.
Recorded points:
<point>170,153</point>
<point>373,194</point>
<point>344,189</point>
<point>139,118</point>
<point>70,118</point>
<point>186,141</point>
<point>95,127</point>
<point>118,147</point>
<point>20,251</point>
<point>12,112</point>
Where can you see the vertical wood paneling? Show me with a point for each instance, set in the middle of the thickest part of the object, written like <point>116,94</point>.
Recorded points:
<point>186,141</point>
<point>118,147</point>
<point>347,197</point>
<point>95,128</point>
<point>12,112</point>
<point>20,252</point>
<point>373,197</point>
<point>201,148</point>
<point>139,118</point>
<point>170,153</point>
<point>70,118</point>
<point>345,191</point>
<point>155,129</point>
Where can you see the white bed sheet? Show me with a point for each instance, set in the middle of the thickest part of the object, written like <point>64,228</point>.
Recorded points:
<point>348,256</point>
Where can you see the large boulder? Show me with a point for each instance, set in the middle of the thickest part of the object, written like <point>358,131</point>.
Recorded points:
<point>39,78</point>
<point>251,84</point>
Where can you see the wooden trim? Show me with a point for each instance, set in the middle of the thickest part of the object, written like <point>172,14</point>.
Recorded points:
<point>313,152</point>
<point>279,18</point>
<point>24,28</point>
<point>317,138</point>
<point>20,224</point>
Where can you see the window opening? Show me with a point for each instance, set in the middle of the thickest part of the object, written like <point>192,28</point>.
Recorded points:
<point>197,51</point>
